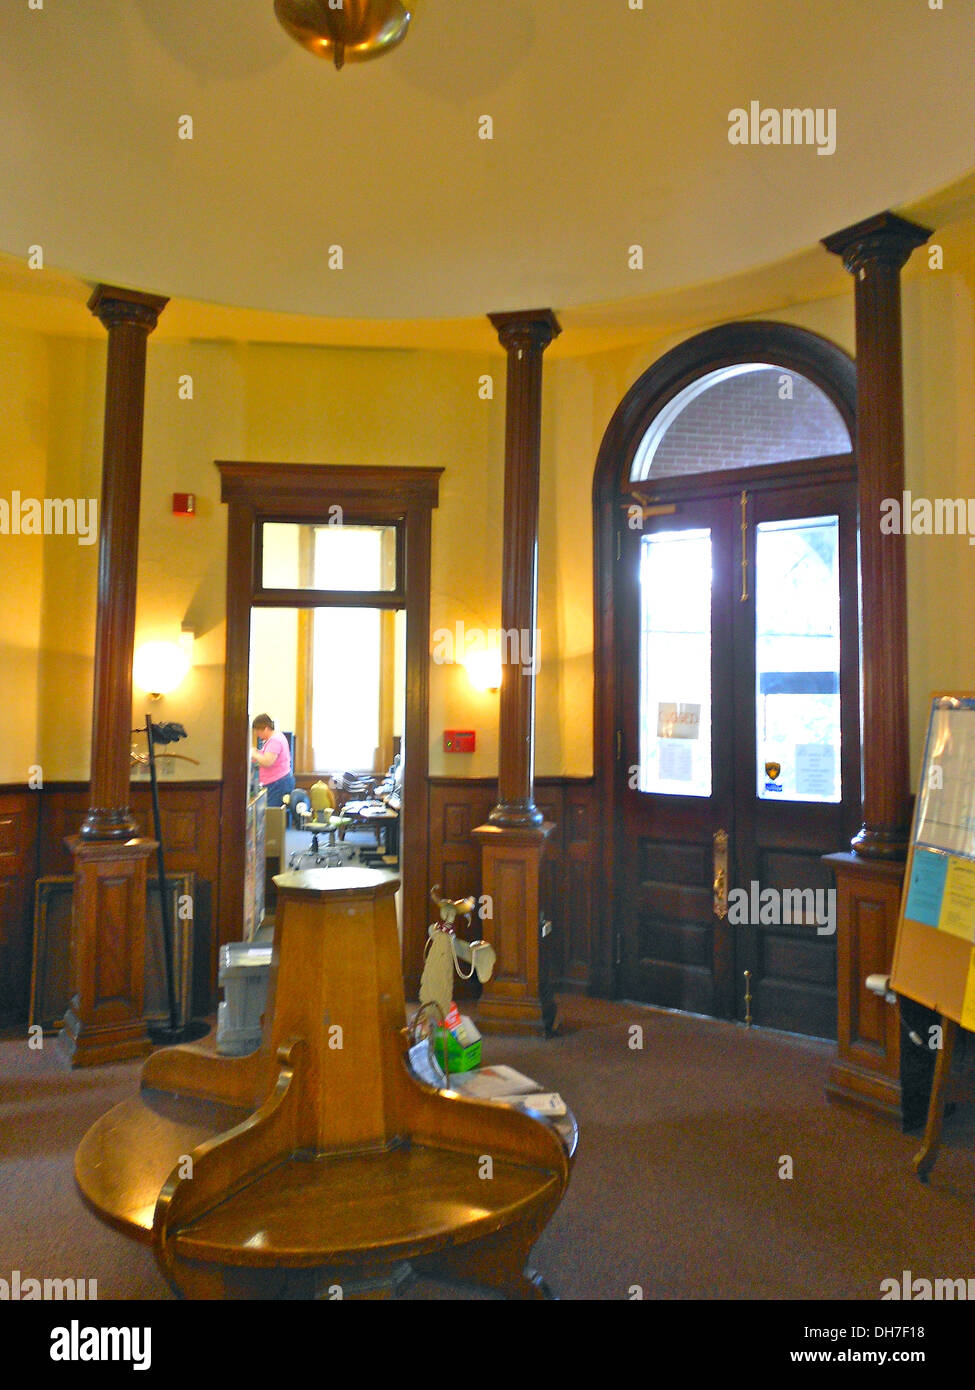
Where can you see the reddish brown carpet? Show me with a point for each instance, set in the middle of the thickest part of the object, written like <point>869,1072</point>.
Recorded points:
<point>676,1186</point>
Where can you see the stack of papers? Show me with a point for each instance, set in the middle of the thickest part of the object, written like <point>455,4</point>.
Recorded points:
<point>542,1102</point>
<point>493,1083</point>
<point>504,1083</point>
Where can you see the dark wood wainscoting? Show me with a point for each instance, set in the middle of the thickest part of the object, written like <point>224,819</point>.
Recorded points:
<point>33,827</point>
<point>458,804</point>
<point>34,824</point>
<point>18,869</point>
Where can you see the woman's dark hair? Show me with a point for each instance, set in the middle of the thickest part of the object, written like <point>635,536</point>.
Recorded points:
<point>263,721</point>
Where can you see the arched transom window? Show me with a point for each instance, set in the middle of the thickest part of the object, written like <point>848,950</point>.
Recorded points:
<point>735,417</point>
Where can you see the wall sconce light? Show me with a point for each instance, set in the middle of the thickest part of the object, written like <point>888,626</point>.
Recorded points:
<point>484,669</point>
<point>159,667</point>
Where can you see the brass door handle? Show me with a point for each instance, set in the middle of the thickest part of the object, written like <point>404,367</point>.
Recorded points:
<point>720,883</point>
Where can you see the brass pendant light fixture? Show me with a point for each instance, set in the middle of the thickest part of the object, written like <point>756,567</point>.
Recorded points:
<point>345,30</point>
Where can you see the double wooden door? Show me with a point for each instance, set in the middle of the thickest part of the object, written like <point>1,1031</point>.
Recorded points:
<point>738,745</point>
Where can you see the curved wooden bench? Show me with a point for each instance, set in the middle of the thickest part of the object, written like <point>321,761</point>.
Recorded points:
<point>321,1152</point>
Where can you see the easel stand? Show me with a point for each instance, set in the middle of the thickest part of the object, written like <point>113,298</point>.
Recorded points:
<point>934,955</point>
<point>944,1090</point>
<point>168,926</point>
<point>319,1162</point>
<point>174,1032</point>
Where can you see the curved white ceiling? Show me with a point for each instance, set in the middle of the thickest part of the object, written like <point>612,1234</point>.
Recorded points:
<point>610,129</point>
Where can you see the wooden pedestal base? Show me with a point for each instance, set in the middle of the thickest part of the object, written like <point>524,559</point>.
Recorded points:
<point>319,1166</point>
<point>867,1070</point>
<point>104,1022</point>
<point>517,999</point>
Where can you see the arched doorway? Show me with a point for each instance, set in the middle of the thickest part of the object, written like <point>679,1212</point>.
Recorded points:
<point>727,710</point>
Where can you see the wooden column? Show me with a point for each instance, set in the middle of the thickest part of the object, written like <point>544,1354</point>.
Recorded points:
<point>874,252</point>
<point>869,881</point>
<point>513,843</point>
<point>105,1022</point>
<point>524,337</point>
<point>130,318</point>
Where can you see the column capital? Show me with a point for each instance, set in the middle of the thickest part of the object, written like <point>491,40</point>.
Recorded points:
<point>884,239</point>
<point>113,306</point>
<point>526,328</point>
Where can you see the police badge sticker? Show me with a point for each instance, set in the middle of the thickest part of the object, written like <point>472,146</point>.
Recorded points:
<point>772,771</point>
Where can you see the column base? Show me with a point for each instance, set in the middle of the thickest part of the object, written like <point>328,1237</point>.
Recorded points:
<point>866,1072</point>
<point>516,815</point>
<point>890,845</point>
<point>848,1084</point>
<point>91,1047</point>
<point>105,1022</point>
<point>524,1015</point>
<point>517,999</point>
<point>115,824</point>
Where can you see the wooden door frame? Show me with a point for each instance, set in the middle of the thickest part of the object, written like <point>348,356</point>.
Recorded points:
<point>775,344</point>
<point>255,492</point>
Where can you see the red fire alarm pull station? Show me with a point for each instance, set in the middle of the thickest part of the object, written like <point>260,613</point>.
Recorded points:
<point>458,740</point>
<point>184,503</point>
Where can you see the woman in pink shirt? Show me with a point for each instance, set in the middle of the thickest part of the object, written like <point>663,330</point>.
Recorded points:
<point>273,757</point>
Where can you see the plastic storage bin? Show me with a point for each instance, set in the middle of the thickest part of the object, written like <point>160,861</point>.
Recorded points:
<point>245,971</point>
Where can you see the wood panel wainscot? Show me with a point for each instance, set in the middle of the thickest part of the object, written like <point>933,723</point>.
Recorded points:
<point>458,804</point>
<point>18,868</point>
<point>33,828</point>
<point>35,824</point>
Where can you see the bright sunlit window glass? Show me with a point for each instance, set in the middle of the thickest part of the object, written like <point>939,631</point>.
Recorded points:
<point>355,557</point>
<point>341,556</point>
<point>797,659</point>
<point>675,663</point>
<point>346,684</point>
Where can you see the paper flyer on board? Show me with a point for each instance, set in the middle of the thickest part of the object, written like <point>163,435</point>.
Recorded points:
<point>946,810</point>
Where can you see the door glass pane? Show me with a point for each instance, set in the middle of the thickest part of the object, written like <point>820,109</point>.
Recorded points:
<point>797,659</point>
<point>675,663</point>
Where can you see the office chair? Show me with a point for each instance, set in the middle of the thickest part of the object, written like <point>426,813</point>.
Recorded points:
<point>321,819</point>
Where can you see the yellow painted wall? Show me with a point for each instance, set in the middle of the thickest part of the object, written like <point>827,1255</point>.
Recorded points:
<point>265,404</point>
<point>939,421</point>
<point>301,404</point>
<point>24,401</point>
